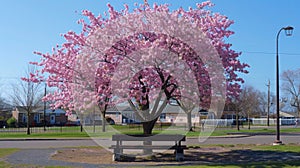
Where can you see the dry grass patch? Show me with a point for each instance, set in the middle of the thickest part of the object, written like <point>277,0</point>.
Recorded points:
<point>84,155</point>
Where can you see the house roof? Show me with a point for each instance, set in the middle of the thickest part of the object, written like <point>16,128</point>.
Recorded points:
<point>167,109</point>
<point>177,109</point>
<point>22,109</point>
<point>114,108</point>
<point>57,111</point>
<point>285,114</point>
<point>49,111</point>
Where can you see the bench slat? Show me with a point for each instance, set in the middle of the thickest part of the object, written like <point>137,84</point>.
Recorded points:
<point>158,137</point>
<point>147,147</point>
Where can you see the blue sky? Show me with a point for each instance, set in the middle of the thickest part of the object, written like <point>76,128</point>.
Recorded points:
<point>35,25</point>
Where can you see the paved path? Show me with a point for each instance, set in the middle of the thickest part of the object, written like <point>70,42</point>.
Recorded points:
<point>38,144</point>
<point>42,157</point>
<point>257,139</point>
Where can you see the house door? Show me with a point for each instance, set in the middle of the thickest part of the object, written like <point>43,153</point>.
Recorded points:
<point>52,119</point>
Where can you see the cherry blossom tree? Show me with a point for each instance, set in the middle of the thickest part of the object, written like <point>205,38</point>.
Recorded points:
<point>145,58</point>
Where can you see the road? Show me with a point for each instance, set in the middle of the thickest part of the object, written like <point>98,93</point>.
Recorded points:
<point>37,144</point>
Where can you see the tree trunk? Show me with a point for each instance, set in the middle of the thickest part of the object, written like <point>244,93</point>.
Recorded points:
<point>103,122</point>
<point>189,121</point>
<point>28,123</point>
<point>237,122</point>
<point>147,130</point>
<point>148,126</point>
<point>94,125</point>
<point>248,121</point>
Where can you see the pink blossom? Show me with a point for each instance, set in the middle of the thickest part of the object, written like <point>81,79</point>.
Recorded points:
<point>71,66</point>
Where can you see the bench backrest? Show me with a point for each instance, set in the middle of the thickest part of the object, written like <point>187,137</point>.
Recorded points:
<point>158,137</point>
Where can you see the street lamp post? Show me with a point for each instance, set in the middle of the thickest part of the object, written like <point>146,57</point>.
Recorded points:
<point>288,32</point>
<point>45,92</point>
<point>268,106</point>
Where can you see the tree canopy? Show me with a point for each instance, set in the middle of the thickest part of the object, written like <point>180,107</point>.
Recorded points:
<point>151,54</point>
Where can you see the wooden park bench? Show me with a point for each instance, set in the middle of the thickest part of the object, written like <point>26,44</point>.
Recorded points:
<point>147,144</point>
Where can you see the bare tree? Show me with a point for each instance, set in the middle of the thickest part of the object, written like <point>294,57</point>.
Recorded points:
<point>249,102</point>
<point>27,95</point>
<point>1,99</point>
<point>291,87</point>
<point>1,102</point>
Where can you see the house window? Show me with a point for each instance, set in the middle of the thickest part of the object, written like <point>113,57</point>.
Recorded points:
<point>162,117</point>
<point>57,114</point>
<point>24,118</point>
<point>37,118</point>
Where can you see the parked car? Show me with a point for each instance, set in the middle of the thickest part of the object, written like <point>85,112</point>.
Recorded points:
<point>73,123</point>
<point>110,121</point>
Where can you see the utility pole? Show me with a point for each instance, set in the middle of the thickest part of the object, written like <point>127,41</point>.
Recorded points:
<point>268,108</point>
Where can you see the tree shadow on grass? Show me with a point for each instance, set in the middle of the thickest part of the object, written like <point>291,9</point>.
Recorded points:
<point>244,158</point>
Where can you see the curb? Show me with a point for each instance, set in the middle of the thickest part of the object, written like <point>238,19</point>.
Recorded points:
<point>261,133</point>
<point>42,139</point>
<point>226,136</point>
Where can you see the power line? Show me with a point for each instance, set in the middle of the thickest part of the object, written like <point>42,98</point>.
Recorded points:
<point>270,53</point>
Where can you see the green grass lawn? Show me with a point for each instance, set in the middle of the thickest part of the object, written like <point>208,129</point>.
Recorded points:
<point>45,135</point>
<point>5,152</point>
<point>270,164</point>
<point>226,131</point>
<point>248,165</point>
<point>279,148</point>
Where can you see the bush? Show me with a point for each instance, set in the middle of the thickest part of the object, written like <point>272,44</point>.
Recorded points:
<point>11,122</point>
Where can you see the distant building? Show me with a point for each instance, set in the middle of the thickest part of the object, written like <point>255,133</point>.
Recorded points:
<point>52,117</point>
<point>56,117</point>
<point>170,114</point>
<point>287,115</point>
<point>21,116</point>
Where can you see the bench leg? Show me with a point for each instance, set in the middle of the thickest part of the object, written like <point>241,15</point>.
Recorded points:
<point>117,154</point>
<point>116,157</point>
<point>179,155</point>
<point>147,151</point>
